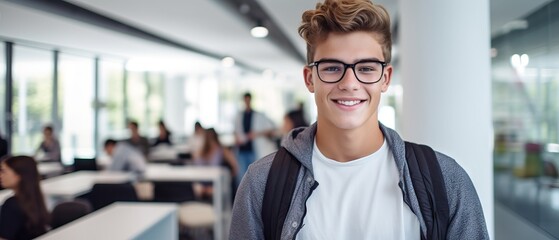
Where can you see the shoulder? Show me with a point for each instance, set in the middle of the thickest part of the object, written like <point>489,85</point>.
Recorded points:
<point>466,213</point>
<point>455,177</point>
<point>11,202</point>
<point>246,220</point>
<point>11,207</point>
<point>254,182</point>
<point>257,173</point>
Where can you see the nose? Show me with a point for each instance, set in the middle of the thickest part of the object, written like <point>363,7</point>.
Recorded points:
<point>349,81</point>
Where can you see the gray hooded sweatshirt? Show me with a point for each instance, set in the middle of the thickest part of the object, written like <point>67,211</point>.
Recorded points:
<point>466,215</point>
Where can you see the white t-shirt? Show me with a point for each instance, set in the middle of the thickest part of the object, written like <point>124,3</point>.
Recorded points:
<point>359,199</point>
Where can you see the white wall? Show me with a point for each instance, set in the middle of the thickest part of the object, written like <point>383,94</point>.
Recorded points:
<point>446,82</point>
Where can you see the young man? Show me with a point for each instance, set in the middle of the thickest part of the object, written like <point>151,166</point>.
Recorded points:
<point>354,181</point>
<point>124,157</point>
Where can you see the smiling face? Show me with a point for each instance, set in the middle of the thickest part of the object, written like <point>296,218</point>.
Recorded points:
<point>347,104</point>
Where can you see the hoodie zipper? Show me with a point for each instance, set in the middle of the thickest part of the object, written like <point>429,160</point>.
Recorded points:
<point>313,187</point>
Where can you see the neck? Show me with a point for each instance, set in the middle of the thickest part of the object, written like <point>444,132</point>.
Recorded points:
<point>346,145</point>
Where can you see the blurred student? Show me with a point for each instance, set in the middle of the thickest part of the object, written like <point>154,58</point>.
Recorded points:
<point>214,154</point>
<point>197,140</point>
<point>136,140</point>
<point>50,146</point>
<point>293,119</point>
<point>164,135</point>
<point>124,157</point>
<point>24,215</point>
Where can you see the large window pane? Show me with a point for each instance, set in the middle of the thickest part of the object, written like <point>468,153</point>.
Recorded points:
<point>136,94</point>
<point>76,88</point>
<point>145,100</point>
<point>154,102</point>
<point>525,72</point>
<point>111,95</point>
<point>32,97</point>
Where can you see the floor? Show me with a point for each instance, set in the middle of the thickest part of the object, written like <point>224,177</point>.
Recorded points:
<point>525,208</point>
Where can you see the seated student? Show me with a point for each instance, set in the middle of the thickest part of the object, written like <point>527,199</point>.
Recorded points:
<point>23,216</point>
<point>124,157</point>
<point>49,146</point>
<point>137,140</point>
<point>164,135</point>
<point>213,153</point>
<point>197,140</point>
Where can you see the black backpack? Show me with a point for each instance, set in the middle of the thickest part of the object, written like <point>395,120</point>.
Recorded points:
<point>425,174</point>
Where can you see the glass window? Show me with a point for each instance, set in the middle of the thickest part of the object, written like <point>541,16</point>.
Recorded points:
<point>154,103</point>
<point>32,97</point>
<point>111,96</point>
<point>76,101</point>
<point>525,77</point>
<point>145,100</point>
<point>136,95</point>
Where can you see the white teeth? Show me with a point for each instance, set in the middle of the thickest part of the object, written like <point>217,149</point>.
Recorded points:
<point>348,103</point>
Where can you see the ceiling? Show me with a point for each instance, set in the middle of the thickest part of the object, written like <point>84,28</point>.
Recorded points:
<point>208,25</point>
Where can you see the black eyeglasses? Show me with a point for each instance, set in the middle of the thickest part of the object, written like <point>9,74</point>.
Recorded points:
<point>366,71</point>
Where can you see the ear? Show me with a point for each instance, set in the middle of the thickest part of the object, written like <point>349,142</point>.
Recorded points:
<point>386,78</point>
<point>307,74</point>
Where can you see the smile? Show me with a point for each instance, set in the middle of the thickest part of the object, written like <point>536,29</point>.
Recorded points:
<point>348,102</point>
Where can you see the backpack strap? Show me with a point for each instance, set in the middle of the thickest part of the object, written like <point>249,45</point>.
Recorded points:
<point>430,189</point>
<point>280,186</point>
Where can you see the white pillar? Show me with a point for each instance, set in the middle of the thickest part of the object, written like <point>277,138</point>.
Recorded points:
<point>445,66</point>
<point>174,104</point>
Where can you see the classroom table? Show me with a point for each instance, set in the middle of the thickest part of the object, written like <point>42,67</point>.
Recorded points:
<point>122,220</point>
<point>49,169</point>
<point>72,185</point>
<point>217,175</point>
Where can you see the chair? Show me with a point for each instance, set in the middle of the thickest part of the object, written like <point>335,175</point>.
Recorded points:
<point>196,220</point>
<point>67,212</point>
<point>176,192</point>
<point>89,164</point>
<point>103,194</point>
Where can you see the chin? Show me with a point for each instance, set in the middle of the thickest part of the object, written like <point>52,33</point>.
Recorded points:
<point>348,124</point>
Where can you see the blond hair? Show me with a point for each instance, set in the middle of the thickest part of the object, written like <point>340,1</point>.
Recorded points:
<point>345,16</point>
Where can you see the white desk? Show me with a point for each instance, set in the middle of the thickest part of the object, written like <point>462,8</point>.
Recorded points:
<point>162,152</point>
<point>118,221</point>
<point>50,168</point>
<point>217,175</point>
<point>75,184</point>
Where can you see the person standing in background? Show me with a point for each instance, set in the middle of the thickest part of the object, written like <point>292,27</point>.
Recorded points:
<point>50,146</point>
<point>136,140</point>
<point>253,136</point>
